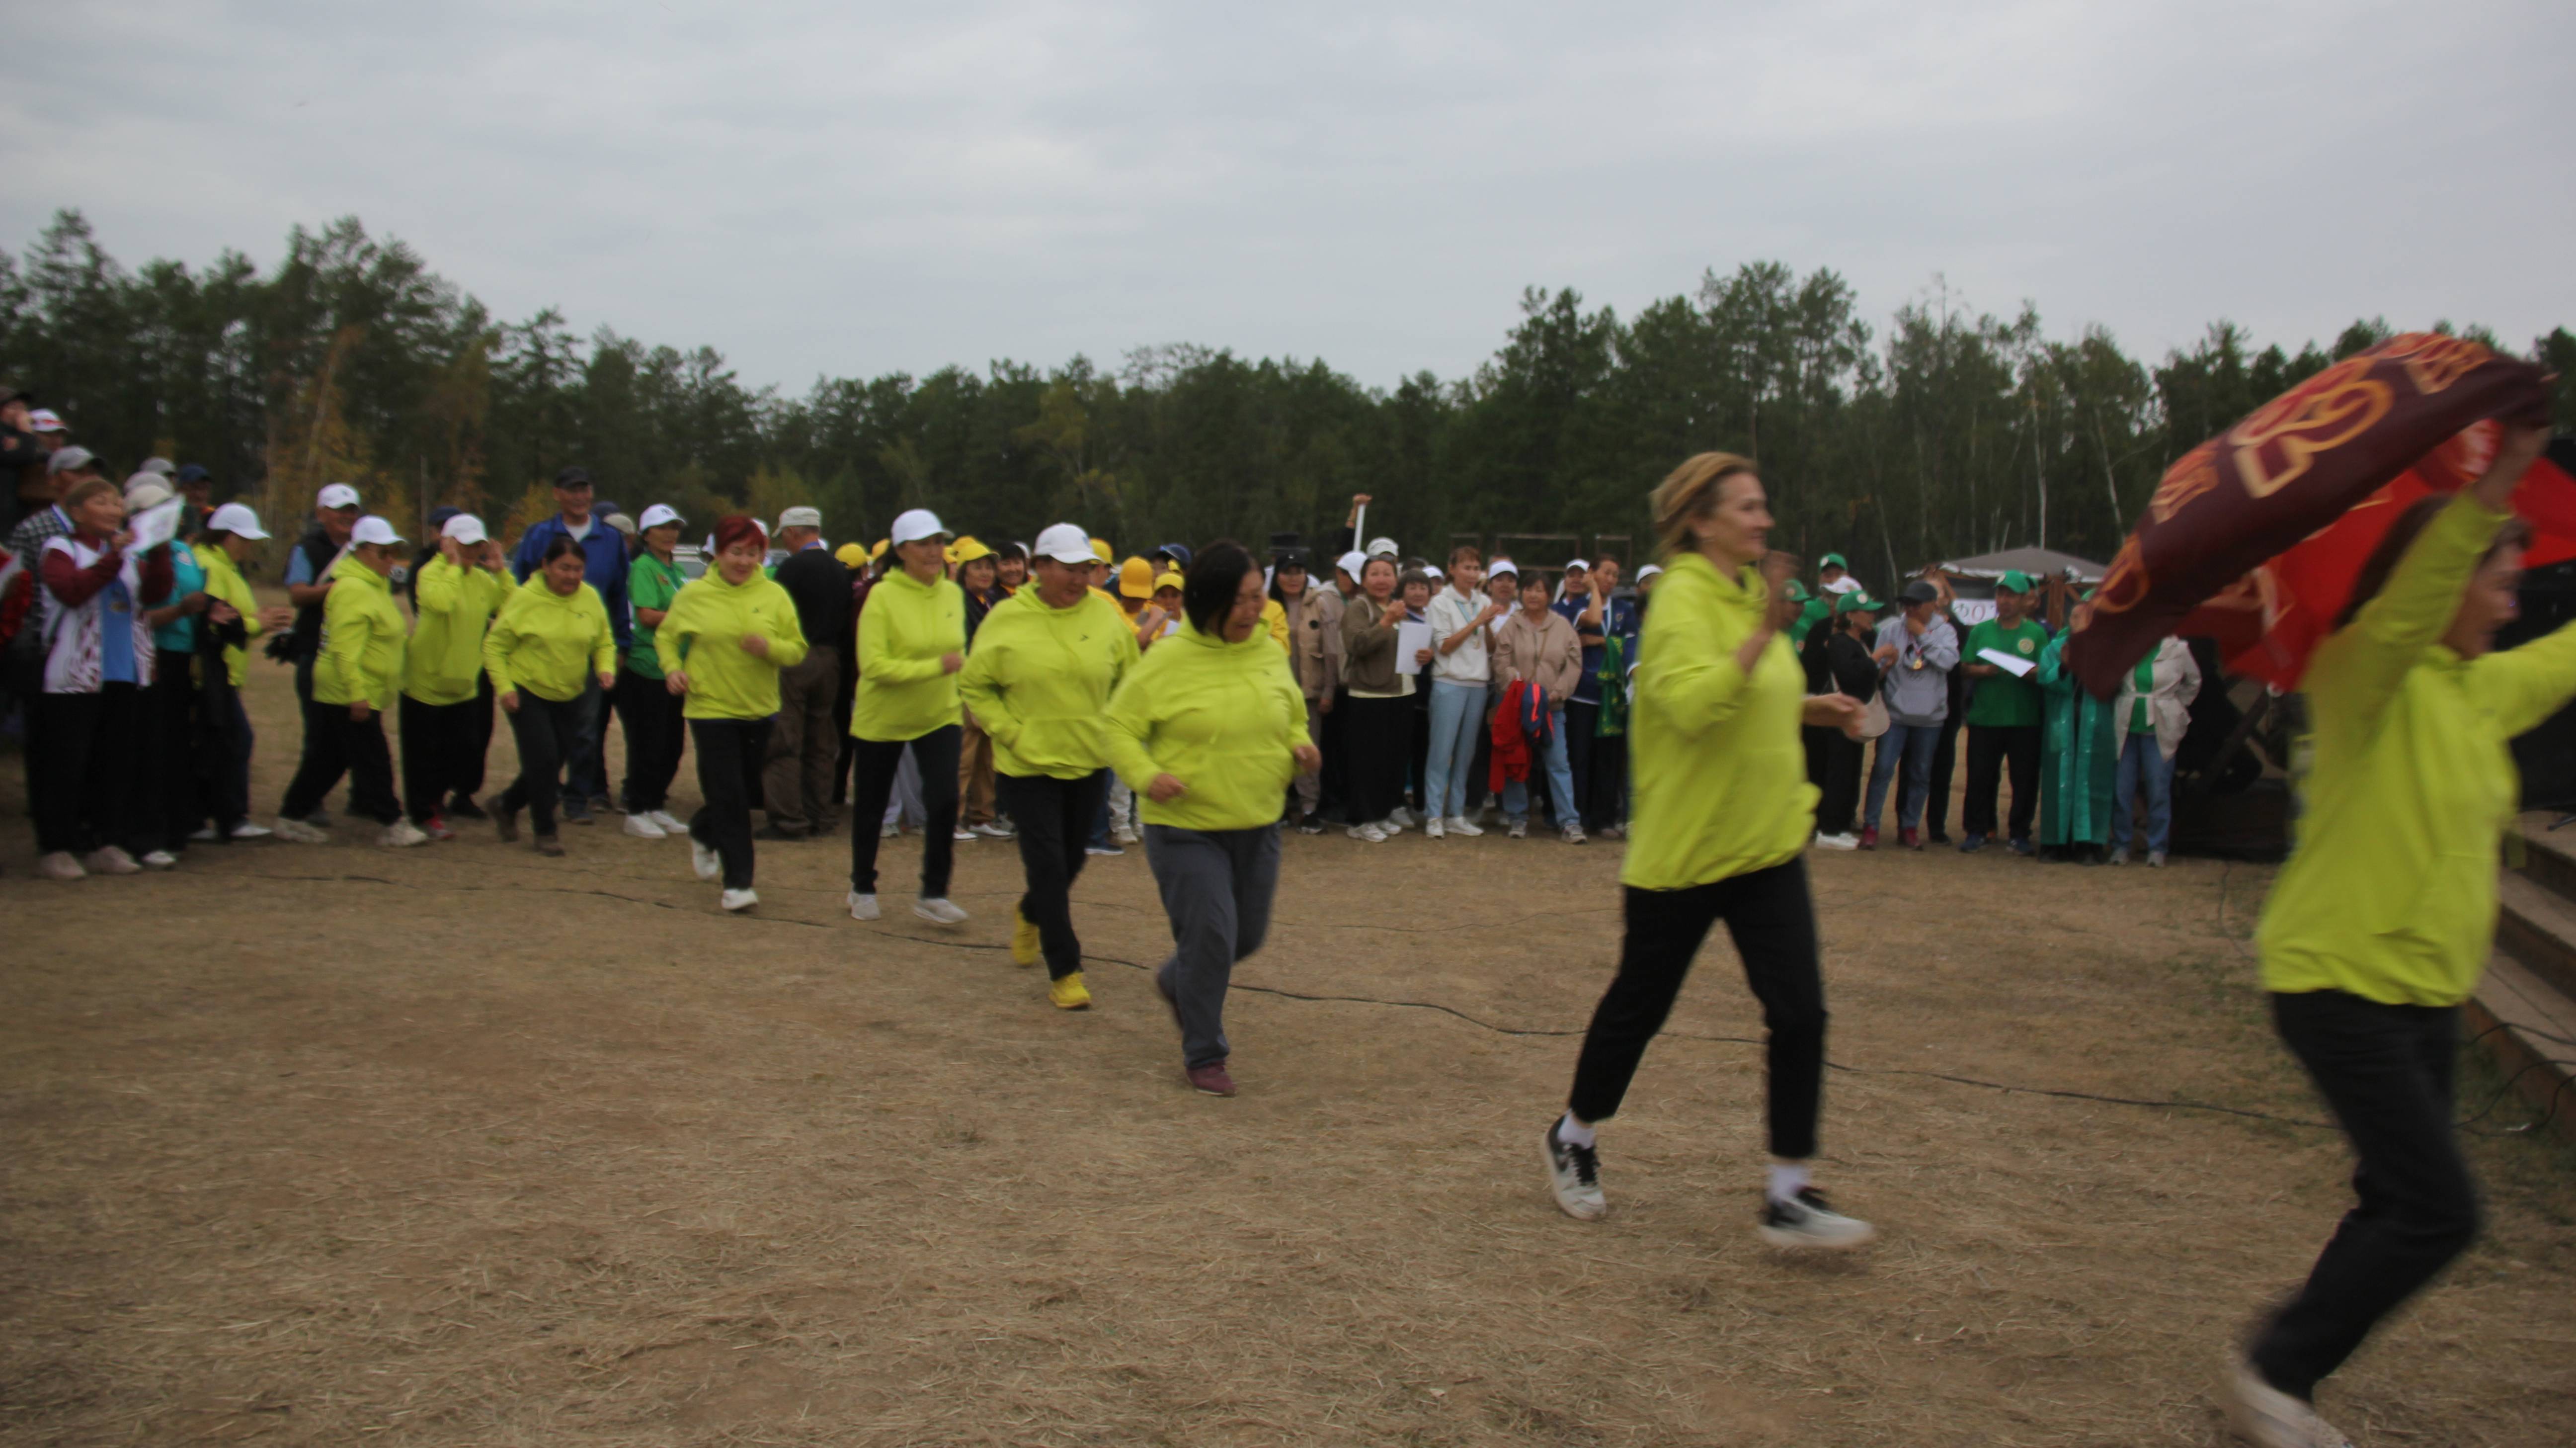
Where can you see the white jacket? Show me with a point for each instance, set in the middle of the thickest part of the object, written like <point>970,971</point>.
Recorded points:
<point>2169,706</point>
<point>72,634</point>
<point>1447,613</point>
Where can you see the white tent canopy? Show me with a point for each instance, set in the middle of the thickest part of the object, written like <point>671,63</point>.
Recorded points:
<point>2037,562</point>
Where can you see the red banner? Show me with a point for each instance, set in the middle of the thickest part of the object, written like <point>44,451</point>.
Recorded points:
<point>2255,535</point>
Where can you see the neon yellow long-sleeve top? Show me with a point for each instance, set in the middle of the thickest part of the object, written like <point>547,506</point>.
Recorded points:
<point>907,627</point>
<point>454,605</point>
<point>725,681</point>
<point>225,581</point>
<point>1222,718</point>
<point>549,643</point>
<point>1719,777</point>
<point>363,638</point>
<point>1040,678</point>
<point>2391,891</point>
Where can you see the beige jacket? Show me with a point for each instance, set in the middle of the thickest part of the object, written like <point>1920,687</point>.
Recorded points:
<point>1315,641</point>
<point>1545,653</point>
<point>2169,707</point>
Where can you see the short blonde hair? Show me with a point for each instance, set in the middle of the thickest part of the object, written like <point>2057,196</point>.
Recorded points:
<point>1689,492</point>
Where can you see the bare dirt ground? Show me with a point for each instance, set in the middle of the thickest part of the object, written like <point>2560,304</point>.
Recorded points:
<point>461,1146</point>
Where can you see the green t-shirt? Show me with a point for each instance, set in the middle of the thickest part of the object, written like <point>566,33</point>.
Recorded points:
<point>2004,702</point>
<point>2140,722</point>
<point>1816,611</point>
<point>650,583</point>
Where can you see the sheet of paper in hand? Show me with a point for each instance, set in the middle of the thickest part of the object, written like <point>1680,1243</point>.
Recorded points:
<point>2291,467</point>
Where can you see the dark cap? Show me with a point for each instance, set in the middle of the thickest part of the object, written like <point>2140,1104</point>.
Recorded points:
<point>12,392</point>
<point>195,473</point>
<point>575,477</point>
<point>438,517</point>
<point>1920,591</point>
<point>1177,552</point>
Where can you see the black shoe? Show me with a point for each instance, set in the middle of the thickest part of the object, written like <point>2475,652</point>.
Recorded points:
<point>1312,824</point>
<point>464,808</point>
<point>773,832</point>
<point>505,820</point>
<point>602,804</point>
<point>1939,837</point>
<point>576,811</point>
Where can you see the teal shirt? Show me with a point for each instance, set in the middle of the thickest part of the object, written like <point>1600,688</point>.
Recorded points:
<point>187,576</point>
<point>2004,702</point>
<point>650,583</point>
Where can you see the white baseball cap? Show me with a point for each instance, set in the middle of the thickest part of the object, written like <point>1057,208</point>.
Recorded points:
<point>147,490</point>
<point>1064,542</point>
<point>336,495</point>
<point>799,518</point>
<point>372,529</point>
<point>1502,565</point>
<point>1383,548</point>
<point>1432,570</point>
<point>163,466</point>
<point>45,419</point>
<point>1353,563</point>
<point>1572,564</point>
<point>464,528</point>
<point>238,520</point>
<point>1649,571</point>
<point>657,515</point>
<point>914,524</point>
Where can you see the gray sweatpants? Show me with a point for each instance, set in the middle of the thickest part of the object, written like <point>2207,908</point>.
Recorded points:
<point>1216,888</point>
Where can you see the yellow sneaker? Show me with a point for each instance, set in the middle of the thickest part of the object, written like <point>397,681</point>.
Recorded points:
<point>1024,939</point>
<point>1068,993</point>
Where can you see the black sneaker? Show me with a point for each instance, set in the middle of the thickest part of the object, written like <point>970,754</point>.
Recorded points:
<point>1574,1175</point>
<point>775,832</point>
<point>465,809</point>
<point>1806,1221</point>
<point>1312,824</point>
<point>576,811</point>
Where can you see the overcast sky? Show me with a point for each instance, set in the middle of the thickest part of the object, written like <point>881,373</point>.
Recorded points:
<point>855,189</point>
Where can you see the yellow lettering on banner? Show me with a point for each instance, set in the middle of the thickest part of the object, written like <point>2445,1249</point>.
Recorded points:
<point>2124,584</point>
<point>2277,444</point>
<point>2433,361</point>
<point>2194,474</point>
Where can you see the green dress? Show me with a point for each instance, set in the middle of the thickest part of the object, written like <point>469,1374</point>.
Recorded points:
<point>2077,767</point>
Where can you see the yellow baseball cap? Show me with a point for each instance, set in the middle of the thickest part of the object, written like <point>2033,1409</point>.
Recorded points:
<point>852,555</point>
<point>968,549</point>
<point>877,551</point>
<point>1101,550</point>
<point>1136,578</point>
<point>1169,579</point>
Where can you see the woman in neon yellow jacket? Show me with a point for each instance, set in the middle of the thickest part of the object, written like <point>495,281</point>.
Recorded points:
<point>721,646</point>
<point>355,680</point>
<point>2380,924</point>
<point>912,643</point>
<point>1723,816</point>
<point>551,639</point>
<point>1208,730</point>
<point>446,717</point>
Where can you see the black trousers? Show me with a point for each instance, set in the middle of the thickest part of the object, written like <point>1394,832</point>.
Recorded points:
<point>228,741</point>
<point>655,734</point>
<point>442,753</point>
<point>1992,749</point>
<point>1811,740</point>
<point>334,745</point>
<point>1839,805</point>
<point>1377,739</point>
<point>170,805</point>
<point>1332,786</point>
<point>586,768</point>
<point>1773,922</point>
<point>470,757</point>
<point>1579,719</point>
<point>548,731</point>
<point>1054,820</point>
<point>84,767</point>
<point>2386,1071</point>
<point>877,760</point>
<point>730,755</point>
<point>1607,799</point>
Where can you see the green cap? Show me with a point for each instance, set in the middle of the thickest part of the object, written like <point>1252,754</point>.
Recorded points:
<point>1795,591</point>
<point>2014,581</point>
<point>1832,560</point>
<point>1857,602</point>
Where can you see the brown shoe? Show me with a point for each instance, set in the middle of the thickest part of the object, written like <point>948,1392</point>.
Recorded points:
<point>1211,1080</point>
<point>549,845</point>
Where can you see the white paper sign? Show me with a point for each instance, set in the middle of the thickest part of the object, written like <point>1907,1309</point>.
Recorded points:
<point>1410,639</point>
<point>2019,668</point>
<point>1972,610</point>
<point>155,525</point>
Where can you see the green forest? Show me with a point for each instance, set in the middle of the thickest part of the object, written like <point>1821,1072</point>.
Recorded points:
<point>1943,431</point>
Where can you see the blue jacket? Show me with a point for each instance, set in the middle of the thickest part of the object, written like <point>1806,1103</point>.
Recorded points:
<point>604,567</point>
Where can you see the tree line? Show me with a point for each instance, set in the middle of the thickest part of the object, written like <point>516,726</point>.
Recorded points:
<point>1948,432</point>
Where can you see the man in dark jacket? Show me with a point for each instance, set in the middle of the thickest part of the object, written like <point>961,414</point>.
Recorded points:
<point>22,461</point>
<point>796,788</point>
<point>603,553</point>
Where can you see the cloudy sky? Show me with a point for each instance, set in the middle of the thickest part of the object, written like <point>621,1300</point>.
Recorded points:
<point>853,189</point>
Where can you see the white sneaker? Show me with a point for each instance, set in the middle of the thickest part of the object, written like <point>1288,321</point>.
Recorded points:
<point>1574,1175</point>
<point>1370,833</point>
<point>1390,827</point>
<point>1436,829</point>
<point>2266,1417</point>
<point>862,907</point>
<point>965,836</point>
<point>160,860</point>
<point>1805,1221</point>
<point>203,835</point>
<point>938,910</point>
<point>402,835</point>
<point>248,831</point>
<point>60,866</point>
<point>1572,834</point>
<point>1123,835</point>
<point>642,827</point>
<point>1836,842</point>
<point>739,900</point>
<point>2120,856</point>
<point>298,832</point>
<point>994,830</point>
<point>109,860</point>
<point>1461,825</point>
<point>887,832</point>
<point>670,825</point>
<point>704,860</point>
<point>1519,830</point>
<point>2155,859</point>
<point>1400,817</point>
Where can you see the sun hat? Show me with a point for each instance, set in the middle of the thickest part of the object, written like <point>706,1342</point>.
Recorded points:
<point>657,515</point>
<point>1065,543</point>
<point>1136,578</point>
<point>238,520</point>
<point>333,495</point>
<point>465,528</point>
<point>372,529</point>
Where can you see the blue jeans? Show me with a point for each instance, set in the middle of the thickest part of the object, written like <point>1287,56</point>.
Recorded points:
<point>1916,742</point>
<point>1457,712</point>
<point>1560,779</point>
<point>2140,759</point>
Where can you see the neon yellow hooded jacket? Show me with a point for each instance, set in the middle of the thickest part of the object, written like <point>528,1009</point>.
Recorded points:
<point>1040,678</point>
<point>1222,718</point>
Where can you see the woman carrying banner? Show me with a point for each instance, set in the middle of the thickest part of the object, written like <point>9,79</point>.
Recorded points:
<point>2379,925</point>
<point>1724,811</point>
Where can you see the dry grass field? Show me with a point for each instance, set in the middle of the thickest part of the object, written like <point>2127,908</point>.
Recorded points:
<point>336,1145</point>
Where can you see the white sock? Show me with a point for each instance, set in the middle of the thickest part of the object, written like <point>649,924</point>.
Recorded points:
<point>1786,1182</point>
<point>1573,1132</point>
